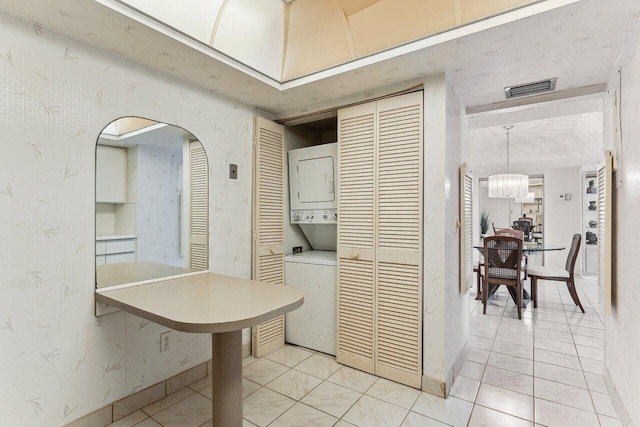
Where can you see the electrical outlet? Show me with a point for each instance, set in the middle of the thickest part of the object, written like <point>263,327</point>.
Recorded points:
<point>166,341</point>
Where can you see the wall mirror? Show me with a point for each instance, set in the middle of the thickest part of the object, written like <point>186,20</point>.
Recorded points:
<point>503,213</point>
<point>532,207</point>
<point>151,202</point>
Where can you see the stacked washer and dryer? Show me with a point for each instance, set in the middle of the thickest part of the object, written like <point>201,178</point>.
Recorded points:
<point>313,201</point>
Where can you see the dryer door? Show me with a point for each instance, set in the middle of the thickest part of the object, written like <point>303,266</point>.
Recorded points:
<point>315,180</point>
<point>312,183</point>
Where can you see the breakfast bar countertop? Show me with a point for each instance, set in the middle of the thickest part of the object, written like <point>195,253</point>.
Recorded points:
<point>204,302</point>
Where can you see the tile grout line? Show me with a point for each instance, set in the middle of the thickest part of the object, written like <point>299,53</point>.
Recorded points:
<point>571,333</point>
<point>534,354</point>
<point>533,387</point>
<point>323,380</point>
<point>487,363</point>
<point>580,361</point>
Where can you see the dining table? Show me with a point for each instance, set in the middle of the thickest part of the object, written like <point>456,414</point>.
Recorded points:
<point>528,248</point>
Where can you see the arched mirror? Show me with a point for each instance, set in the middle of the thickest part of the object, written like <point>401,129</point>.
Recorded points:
<point>151,202</point>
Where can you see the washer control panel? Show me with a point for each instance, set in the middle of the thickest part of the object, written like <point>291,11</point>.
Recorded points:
<point>314,216</point>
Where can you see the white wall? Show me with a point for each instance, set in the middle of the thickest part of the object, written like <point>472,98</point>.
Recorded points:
<point>262,40</point>
<point>250,31</point>
<point>499,209</point>
<point>456,304</point>
<point>194,17</point>
<point>434,272</point>
<point>562,219</point>
<point>57,360</point>
<point>445,321</point>
<point>622,346</point>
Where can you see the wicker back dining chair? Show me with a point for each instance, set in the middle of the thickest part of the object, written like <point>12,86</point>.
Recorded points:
<point>503,266</point>
<point>566,274</point>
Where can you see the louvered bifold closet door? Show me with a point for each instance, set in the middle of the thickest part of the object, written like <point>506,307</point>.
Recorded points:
<point>198,207</point>
<point>466,229</point>
<point>268,224</point>
<point>604,230</point>
<point>399,240</point>
<point>356,219</point>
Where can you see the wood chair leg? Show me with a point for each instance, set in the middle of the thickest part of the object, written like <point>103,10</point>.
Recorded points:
<point>479,286</point>
<point>574,294</point>
<point>534,290</point>
<point>485,292</point>
<point>519,299</point>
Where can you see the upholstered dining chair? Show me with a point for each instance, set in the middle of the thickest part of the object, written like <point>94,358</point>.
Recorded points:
<point>566,274</point>
<point>503,266</point>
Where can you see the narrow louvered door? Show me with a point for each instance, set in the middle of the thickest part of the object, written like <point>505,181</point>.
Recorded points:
<point>604,230</point>
<point>356,219</point>
<point>466,229</point>
<point>198,207</point>
<point>398,354</point>
<point>268,225</point>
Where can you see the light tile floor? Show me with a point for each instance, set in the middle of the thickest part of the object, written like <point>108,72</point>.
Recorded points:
<point>545,369</point>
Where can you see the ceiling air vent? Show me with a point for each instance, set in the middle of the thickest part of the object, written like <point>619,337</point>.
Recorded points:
<point>531,88</point>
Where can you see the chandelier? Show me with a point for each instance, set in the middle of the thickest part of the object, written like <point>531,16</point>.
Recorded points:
<point>508,185</point>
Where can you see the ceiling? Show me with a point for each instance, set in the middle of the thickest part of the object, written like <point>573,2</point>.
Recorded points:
<point>577,41</point>
<point>566,141</point>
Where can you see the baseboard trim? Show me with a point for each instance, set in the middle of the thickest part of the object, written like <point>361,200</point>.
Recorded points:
<point>457,365</point>
<point>136,401</point>
<point>441,388</point>
<point>623,414</point>
<point>434,386</point>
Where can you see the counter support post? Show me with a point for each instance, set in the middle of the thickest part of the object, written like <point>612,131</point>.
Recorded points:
<point>227,378</point>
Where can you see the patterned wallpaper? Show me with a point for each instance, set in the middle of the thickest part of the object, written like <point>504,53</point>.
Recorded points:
<point>57,360</point>
<point>159,171</point>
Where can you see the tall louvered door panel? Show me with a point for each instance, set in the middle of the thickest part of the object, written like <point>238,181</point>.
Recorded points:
<point>604,229</point>
<point>356,220</point>
<point>466,229</point>
<point>398,354</point>
<point>268,224</point>
<point>198,207</point>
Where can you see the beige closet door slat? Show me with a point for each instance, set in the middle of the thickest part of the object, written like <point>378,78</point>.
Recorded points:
<point>198,207</point>
<point>398,347</point>
<point>268,225</point>
<point>356,219</point>
<point>605,171</point>
<point>466,229</point>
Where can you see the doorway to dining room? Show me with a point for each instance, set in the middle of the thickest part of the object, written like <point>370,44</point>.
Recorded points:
<point>546,367</point>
